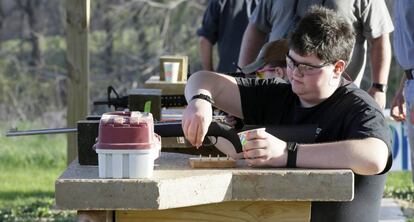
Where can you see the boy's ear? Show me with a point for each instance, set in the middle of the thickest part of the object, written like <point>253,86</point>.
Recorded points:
<point>339,68</point>
<point>281,72</point>
<point>278,70</point>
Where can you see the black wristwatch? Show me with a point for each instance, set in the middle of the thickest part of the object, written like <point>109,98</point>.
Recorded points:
<point>292,151</point>
<point>203,97</point>
<point>380,87</point>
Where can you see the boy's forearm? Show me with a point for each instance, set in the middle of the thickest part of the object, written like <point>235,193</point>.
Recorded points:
<point>221,88</point>
<point>366,157</point>
<point>199,82</point>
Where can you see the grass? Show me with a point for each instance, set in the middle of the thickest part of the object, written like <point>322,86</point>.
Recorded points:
<point>399,186</point>
<point>30,165</point>
<point>20,185</point>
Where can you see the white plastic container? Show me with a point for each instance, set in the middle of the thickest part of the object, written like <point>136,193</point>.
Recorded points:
<point>127,145</point>
<point>126,163</point>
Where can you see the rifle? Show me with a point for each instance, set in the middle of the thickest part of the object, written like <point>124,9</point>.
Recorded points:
<point>88,131</point>
<point>122,101</point>
<point>302,133</point>
<point>164,129</point>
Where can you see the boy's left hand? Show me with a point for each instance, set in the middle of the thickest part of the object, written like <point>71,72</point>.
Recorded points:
<point>263,149</point>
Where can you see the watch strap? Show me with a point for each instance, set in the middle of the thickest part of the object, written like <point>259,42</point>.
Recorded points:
<point>380,87</point>
<point>204,97</point>
<point>292,150</point>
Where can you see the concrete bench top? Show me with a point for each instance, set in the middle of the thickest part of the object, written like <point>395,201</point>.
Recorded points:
<point>175,184</point>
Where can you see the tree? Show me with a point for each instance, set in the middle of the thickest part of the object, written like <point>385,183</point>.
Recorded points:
<point>30,9</point>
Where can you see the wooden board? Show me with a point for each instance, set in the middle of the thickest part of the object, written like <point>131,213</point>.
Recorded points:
<point>236,211</point>
<point>167,88</point>
<point>212,162</point>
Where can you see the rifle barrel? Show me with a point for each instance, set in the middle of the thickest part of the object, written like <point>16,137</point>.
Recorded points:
<point>15,132</point>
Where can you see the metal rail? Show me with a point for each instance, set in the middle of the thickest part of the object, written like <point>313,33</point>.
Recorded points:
<point>15,132</point>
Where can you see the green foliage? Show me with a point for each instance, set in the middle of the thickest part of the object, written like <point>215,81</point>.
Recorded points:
<point>399,185</point>
<point>404,193</point>
<point>125,42</point>
<point>26,92</point>
<point>137,36</point>
<point>55,55</point>
<point>39,210</point>
<point>43,151</point>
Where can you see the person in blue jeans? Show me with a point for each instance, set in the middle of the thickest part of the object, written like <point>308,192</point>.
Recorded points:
<point>402,108</point>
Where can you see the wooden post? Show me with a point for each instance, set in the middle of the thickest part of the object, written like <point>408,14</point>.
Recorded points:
<point>77,27</point>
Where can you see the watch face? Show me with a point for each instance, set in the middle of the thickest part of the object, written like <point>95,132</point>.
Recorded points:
<point>380,87</point>
<point>291,146</point>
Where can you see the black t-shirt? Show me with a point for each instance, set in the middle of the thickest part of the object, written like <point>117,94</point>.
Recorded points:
<point>349,113</point>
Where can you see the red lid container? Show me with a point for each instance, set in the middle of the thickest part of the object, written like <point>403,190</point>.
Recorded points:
<point>127,130</point>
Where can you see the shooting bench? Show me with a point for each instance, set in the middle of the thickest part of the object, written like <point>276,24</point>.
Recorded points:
<point>181,193</point>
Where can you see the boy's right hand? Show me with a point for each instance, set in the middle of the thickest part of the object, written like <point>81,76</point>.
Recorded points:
<point>196,121</point>
<point>234,122</point>
<point>230,120</point>
<point>397,110</point>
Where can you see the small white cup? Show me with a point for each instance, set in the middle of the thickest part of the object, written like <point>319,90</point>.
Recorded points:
<point>171,71</point>
<point>243,135</point>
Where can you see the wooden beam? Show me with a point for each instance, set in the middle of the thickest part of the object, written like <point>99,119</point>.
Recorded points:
<point>263,211</point>
<point>212,162</point>
<point>77,28</point>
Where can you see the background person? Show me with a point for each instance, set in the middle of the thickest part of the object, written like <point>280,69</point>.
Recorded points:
<point>271,61</point>
<point>224,23</point>
<point>402,108</point>
<point>370,19</point>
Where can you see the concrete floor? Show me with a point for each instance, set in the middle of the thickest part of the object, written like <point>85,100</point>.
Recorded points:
<point>391,211</point>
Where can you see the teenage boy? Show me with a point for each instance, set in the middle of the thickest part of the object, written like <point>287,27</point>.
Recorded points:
<point>351,129</point>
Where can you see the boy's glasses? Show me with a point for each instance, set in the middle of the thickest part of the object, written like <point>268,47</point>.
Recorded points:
<point>303,68</point>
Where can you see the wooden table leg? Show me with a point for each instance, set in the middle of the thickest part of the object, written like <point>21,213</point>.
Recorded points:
<point>95,216</point>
